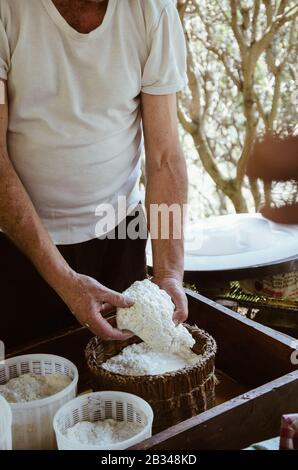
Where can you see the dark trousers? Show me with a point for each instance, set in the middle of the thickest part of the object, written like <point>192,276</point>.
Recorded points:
<point>30,308</point>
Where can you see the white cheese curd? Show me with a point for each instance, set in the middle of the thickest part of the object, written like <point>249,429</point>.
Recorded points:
<point>30,387</point>
<point>151,318</point>
<point>140,359</point>
<point>104,432</point>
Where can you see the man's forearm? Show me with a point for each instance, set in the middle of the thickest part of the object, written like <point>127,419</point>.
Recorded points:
<point>167,184</point>
<point>20,222</point>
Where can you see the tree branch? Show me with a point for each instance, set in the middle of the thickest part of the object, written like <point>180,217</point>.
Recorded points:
<point>234,24</point>
<point>257,5</point>
<point>195,109</point>
<point>255,191</point>
<point>278,80</point>
<point>264,42</point>
<point>222,57</point>
<point>187,125</point>
<point>261,109</point>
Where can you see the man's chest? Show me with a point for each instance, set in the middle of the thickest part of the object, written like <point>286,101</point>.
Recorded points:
<point>71,70</point>
<point>83,16</point>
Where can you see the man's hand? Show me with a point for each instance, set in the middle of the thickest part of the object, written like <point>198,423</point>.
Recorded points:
<point>175,290</point>
<point>88,300</point>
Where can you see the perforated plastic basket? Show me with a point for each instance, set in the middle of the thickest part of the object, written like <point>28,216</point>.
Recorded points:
<point>5,425</point>
<point>32,422</point>
<point>97,407</point>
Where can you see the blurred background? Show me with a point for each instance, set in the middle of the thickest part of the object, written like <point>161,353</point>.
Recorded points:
<point>242,70</point>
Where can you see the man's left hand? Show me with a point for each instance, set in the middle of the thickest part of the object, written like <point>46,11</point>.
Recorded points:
<point>175,290</point>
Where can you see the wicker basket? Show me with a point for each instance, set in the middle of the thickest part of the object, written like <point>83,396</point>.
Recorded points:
<point>174,396</point>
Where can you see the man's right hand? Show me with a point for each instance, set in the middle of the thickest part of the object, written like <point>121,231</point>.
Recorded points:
<point>88,300</point>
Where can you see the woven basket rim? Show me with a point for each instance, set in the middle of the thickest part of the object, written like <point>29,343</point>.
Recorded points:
<point>205,358</point>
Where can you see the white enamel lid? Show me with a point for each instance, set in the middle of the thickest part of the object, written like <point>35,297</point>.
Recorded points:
<point>236,241</point>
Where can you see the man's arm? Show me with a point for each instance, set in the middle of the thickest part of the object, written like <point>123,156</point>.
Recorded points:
<point>166,178</point>
<point>85,297</point>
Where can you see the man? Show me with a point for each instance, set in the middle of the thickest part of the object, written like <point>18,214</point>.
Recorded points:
<point>80,77</point>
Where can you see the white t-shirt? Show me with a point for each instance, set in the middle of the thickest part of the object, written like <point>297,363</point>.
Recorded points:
<point>74,132</point>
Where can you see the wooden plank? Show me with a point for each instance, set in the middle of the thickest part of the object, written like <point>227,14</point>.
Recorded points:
<point>249,418</point>
<point>251,353</point>
<point>227,388</point>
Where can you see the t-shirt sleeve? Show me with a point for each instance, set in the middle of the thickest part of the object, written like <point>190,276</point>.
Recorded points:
<point>165,69</point>
<point>4,52</point>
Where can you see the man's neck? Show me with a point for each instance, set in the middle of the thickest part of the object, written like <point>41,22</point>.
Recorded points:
<point>82,15</point>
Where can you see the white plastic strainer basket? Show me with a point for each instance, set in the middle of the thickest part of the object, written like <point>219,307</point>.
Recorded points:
<point>5,425</point>
<point>99,406</point>
<point>32,422</point>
